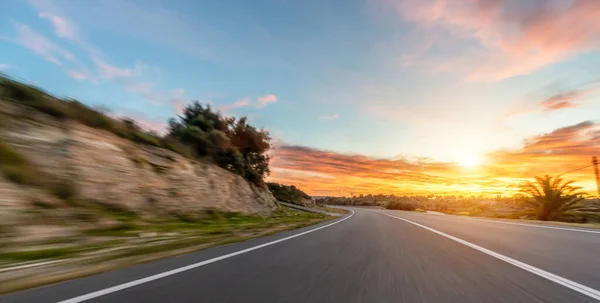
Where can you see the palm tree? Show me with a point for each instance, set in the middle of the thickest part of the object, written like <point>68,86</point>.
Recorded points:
<point>552,198</point>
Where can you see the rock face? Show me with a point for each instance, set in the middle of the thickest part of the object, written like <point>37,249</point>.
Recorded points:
<point>104,168</point>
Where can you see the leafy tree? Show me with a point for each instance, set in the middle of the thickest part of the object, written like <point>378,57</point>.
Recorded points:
<point>552,198</point>
<point>232,144</point>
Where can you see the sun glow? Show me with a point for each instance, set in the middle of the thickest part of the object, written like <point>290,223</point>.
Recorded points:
<point>470,161</point>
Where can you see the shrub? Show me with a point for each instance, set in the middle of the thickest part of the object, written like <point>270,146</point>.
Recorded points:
<point>286,193</point>
<point>147,139</point>
<point>64,189</point>
<point>15,167</point>
<point>402,205</point>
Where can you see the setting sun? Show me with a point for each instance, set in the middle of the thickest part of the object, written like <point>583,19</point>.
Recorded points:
<point>470,161</point>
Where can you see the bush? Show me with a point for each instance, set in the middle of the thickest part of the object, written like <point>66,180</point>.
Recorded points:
<point>64,189</point>
<point>15,167</point>
<point>286,193</point>
<point>402,205</point>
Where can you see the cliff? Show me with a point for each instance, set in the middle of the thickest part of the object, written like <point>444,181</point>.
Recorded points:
<point>75,164</point>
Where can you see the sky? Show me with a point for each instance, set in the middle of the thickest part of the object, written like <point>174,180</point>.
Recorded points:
<point>360,96</point>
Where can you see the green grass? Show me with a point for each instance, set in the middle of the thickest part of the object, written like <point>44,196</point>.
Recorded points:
<point>114,211</point>
<point>224,228</point>
<point>15,167</point>
<point>54,253</point>
<point>119,230</point>
<point>37,254</point>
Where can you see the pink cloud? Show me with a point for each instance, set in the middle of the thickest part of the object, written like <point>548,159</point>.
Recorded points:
<point>62,27</point>
<point>178,105</point>
<point>329,117</point>
<point>563,100</point>
<point>265,100</point>
<point>77,75</point>
<point>109,71</point>
<point>237,104</point>
<point>517,37</point>
<point>158,127</point>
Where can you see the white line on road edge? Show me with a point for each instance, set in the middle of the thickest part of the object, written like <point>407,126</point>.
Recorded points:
<point>536,225</point>
<point>120,287</point>
<point>590,292</point>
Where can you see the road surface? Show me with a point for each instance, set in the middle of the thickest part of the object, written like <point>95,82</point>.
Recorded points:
<point>371,256</point>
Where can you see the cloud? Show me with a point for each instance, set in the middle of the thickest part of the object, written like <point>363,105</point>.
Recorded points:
<point>265,100</point>
<point>553,100</point>
<point>62,27</point>
<point>6,66</point>
<point>331,173</point>
<point>562,100</point>
<point>138,87</point>
<point>77,75</point>
<point>514,37</point>
<point>158,127</point>
<point>329,117</point>
<point>40,45</point>
<point>49,51</point>
<point>178,105</point>
<point>109,71</point>
<point>237,104</point>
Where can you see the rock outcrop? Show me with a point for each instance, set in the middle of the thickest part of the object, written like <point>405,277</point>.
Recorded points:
<point>103,168</point>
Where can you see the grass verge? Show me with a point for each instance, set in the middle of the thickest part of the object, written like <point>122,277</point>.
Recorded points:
<point>169,238</point>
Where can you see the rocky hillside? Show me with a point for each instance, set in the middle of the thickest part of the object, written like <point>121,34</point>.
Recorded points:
<point>55,162</point>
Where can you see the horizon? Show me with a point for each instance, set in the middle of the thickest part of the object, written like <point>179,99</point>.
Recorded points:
<point>381,96</point>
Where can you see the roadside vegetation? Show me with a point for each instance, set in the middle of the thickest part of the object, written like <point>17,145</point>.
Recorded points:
<point>131,240</point>
<point>546,198</point>
<point>15,167</point>
<point>554,199</point>
<point>102,224</point>
<point>200,132</point>
<point>289,193</point>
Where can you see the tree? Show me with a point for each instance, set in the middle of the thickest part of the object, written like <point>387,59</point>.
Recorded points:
<point>552,198</point>
<point>232,144</point>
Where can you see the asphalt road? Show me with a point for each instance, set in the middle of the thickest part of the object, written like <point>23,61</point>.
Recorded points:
<point>370,257</point>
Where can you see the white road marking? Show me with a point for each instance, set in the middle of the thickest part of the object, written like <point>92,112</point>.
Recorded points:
<point>588,291</point>
<point>536,225</point>
<point>120,287</point>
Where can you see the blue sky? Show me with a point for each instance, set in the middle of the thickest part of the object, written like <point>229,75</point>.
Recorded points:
<point>430,78</point>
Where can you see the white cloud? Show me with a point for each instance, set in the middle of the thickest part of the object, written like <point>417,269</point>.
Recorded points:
<point>40,45</point>
<point>138,87</point>
<point>329,117</point>
<point>265,100</point>
<point>62,27</point>
<point>77,75</point>
<point>109,71</point>
<point>6,66</point>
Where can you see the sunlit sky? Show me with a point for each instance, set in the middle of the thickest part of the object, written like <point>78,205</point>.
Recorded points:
<point>356,93</point>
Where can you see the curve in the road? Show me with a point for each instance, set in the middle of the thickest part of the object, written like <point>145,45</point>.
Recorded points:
<point>120,287</point>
